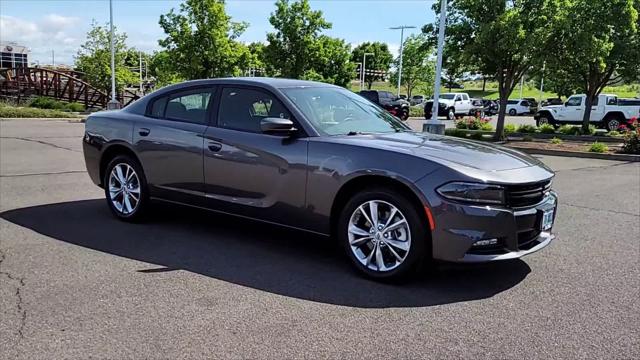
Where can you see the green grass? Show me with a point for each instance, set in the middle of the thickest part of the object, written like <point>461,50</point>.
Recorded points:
<point>7,111</point>
<point>474,89</point>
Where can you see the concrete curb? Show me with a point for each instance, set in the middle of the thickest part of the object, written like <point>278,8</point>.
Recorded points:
<point>585,155</point>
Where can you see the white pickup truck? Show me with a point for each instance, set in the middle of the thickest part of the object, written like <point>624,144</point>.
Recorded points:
<point>606,112</point>
<point>451,105</point>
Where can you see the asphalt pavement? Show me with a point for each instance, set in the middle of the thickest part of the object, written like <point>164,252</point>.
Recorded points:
<point>76,283</point>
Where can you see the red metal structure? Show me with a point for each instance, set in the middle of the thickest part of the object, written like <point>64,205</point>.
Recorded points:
<point>24,82</point>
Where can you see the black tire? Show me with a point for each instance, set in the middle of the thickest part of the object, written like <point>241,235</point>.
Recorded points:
<point>451,114</point>
<point>419,248</point>
<point>612,123</point>
<point>513,112</point>
<point>141,206</point>
<point>544,119</point>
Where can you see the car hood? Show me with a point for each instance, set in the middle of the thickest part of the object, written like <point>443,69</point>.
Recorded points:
<point>551,107</point>
<point>451,151</point>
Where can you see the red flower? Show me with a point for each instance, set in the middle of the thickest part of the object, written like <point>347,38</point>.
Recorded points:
<point>622,127</point>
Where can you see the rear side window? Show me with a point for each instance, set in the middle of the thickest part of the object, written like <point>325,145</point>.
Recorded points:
<point>465,97</point>
<point>189,106</point>
<point>243,109</point>
<point>512,102</point>
<point>158,106</point>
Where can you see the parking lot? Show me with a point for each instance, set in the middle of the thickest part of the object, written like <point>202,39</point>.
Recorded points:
<point>76,283</point>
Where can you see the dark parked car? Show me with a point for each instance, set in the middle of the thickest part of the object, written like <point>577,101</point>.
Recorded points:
<point>491,107</point>
<point>388,101</point>
<point>322,159</point>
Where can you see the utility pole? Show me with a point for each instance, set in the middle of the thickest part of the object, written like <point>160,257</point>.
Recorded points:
<point>401,28</point>
<point>53,58</point>
<point>435,125</point>
<point>141,93</point>
<point>113,104</point>
<point>544,65</point>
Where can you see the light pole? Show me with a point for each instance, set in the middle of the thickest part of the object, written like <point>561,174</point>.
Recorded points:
<point>544,65</point>
<point>364,68</point>
<point>359,74</point>
<point>434,125</point>
<point>113,104</point>
<point>401,28</point>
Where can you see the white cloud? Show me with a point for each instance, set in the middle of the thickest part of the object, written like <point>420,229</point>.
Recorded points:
<point>53,31</point>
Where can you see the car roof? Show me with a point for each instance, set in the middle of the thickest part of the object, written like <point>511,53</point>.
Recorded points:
<point>270,82</point>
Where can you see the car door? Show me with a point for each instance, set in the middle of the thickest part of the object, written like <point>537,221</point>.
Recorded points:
<point>251,173</point>
<point>523,107</point>
<point>572,110</point>
<point>169,143</point>
<point>466,103</point>
<point>597,108</point>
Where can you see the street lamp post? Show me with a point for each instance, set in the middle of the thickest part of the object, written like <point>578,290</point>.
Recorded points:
<point>113,104</point>
<point>434,125</point>
<point>359,74</point>
<point>401,28</point>
<point>364,68</point>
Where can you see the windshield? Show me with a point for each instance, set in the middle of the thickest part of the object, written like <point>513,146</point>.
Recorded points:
<point>335,111</point>
<point>447,96</point>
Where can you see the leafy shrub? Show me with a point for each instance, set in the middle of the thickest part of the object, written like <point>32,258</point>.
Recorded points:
<point>486,127</point>
<point>547,129</point>
<point>591,131</point>
<point>477,136</point>
<point>527,129</point>
<point>509,128</point>
<point>22,112</point>
<point>631,142</point>
<point>456,132</point>
<point>47,103</point>
<point>527,138</point>
<point>569,130</point>
<point>598,147</point>
<point>416,111</point>
<point>74,106</point>
<point>556,141</point>
<point>474,123</point>
<point>614,133</point>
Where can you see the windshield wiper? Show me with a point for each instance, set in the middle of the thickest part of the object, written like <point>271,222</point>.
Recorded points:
<point>352,133</point>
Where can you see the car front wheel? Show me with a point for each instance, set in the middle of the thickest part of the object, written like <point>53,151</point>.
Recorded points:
<point>125,188</point>
<point>513,112</point>
<point>451,114</point>
<point>383,234</point>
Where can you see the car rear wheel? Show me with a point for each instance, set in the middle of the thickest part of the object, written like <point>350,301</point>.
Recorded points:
<point>383,234</point>
<point>612,123</point>
<point>451,114</point>
<point>125,188</point>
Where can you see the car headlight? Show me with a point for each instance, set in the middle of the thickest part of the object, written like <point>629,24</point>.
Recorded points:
<point>473,192</point>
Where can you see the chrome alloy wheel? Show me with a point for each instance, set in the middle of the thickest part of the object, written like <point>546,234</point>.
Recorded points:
<point>124,188</point>
<point>379,235</point>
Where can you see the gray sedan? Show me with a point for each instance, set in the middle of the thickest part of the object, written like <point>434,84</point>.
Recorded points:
<point>322,159</point>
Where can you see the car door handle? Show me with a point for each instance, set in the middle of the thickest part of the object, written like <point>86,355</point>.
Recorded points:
<point>144,131</point>
<point>214,146</point>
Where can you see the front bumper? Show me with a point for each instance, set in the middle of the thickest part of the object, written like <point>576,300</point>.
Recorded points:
<point>517,231</point>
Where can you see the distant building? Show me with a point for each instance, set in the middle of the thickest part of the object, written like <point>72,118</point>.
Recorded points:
<point>13,55</point>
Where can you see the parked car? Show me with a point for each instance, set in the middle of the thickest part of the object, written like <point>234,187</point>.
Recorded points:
<point>477,108</point>
<point>416,100</point>
<point>491,107</point>
<point>551,101</point>
<point>388,101</point>
<point>451,105</point>
<point>606,112</point>
<point>517,107</point>
<point>533,105</point>
<point>320,158</point>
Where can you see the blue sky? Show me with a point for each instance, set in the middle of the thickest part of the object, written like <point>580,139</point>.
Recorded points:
<point>61,25</point>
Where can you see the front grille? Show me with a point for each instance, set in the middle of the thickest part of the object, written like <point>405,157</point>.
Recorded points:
<point>527,195</point>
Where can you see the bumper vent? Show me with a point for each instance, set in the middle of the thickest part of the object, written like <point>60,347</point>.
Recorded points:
<point>527,195</point>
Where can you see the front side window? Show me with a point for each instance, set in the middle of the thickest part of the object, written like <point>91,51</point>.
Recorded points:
<point>243,109</point>
<point>336,111</point>
<point>574,101</point>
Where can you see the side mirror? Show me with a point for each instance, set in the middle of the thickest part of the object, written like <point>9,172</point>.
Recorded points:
<point>277,126</point>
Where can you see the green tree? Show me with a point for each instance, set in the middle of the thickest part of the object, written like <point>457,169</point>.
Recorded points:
<point>292,49</point>
<point>94,59</point>
<point>417,68</point>
<point>598,43</point>
<point>162,69</point>
<point>202,40</point>
<point>503,39</point>
<point>332,61</point>
<point>379,61</point>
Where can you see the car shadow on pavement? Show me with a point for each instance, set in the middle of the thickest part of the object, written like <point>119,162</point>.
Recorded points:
<point>261,256</point>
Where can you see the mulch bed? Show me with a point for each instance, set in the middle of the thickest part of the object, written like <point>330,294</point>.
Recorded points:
<point>569,146</point>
